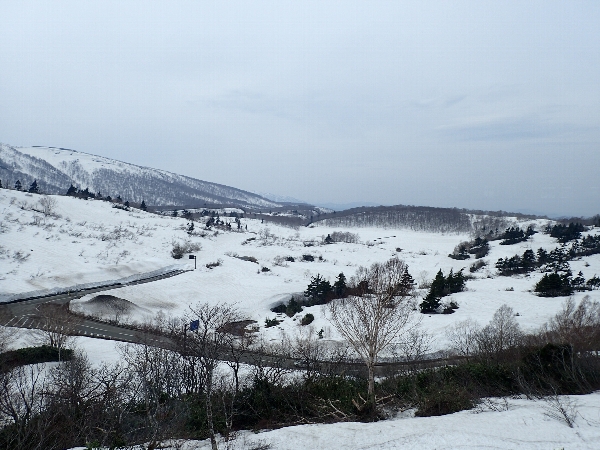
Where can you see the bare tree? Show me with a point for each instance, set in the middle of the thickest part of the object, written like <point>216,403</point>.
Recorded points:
<point>463,337</point>
<point>413,347</point>
<point>502,333</point>
<point>57,328</point>
<point>561,408</point>
<point>370,322</point>
<point>311,352</point>
<point>21,400</point>
<point>47,205</point>
<point>156,378</point>
<point>207,344</point>
<point>578,325</point>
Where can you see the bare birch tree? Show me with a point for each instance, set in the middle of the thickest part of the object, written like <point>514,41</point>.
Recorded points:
<point>378,316</point>
<point>207,344</point>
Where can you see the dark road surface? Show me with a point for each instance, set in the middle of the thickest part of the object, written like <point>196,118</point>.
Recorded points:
<point>33,313</point>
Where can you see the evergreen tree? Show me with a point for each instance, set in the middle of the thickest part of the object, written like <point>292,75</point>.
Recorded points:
<point>528,260</point>
<point>0,184</point>
<point>318,290</point>
<point>542,256</point>
<point>440,287</point>
<point>33,188</point>
<point>407,284</point>
<point>18,185</point>
<point>72,190</point>
<point>339,287</point>
<point>127,203</point>
<point>190,228</point>
<point>143,206</point>
<point>554,285</point>
<point>454,282</point>
<point>437,285</point>
<point>430,304</point>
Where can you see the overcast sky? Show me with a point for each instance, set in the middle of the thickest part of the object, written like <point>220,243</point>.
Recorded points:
<point>491,105</point>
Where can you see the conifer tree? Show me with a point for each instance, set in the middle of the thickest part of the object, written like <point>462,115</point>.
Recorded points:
<point>554,285</point>
<point>33,188</point>
<point>317,290</point>
<point>143,206</point>
<point>18,185</point>
<point>339,286</point>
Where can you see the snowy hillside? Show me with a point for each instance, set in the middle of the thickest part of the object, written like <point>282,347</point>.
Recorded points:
<point>55,169</point>
<point>521,423</point>
<point>57,242</point>
<point>89,241</point>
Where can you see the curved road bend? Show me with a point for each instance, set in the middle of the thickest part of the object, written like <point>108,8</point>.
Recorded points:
<point>32,313</point>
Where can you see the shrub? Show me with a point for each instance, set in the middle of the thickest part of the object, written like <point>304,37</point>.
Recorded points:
<point>181,248</point>
<point>279,309</point>
<point>448,399</point>
<point>344,236</point>
<point>477,265</point>
<point>307,319</point>
<point>33,355</point>
<point>460,251</point>
<point>309,258</point>
<point>272,322</point>
<point>212,265</point>
<point>480,248</point>
<point>279,261</point>
<point>248,258</point>
<point>293,307</point>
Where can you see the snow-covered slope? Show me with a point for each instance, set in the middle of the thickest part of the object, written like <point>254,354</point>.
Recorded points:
<point>517,424</point>
<point>56,168</point>
<point>92,241</point>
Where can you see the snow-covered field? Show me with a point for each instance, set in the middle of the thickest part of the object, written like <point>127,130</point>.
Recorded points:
<point>88,241</point>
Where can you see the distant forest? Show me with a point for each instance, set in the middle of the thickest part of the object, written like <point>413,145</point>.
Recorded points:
<point>420,218</point>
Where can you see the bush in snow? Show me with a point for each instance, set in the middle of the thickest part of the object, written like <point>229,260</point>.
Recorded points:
<point>307,319</point>
<point>181,248</point>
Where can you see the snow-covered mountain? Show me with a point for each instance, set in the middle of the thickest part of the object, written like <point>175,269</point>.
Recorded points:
<point>55,169</point>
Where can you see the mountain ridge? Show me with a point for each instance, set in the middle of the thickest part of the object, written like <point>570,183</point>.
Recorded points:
<point>55,168</point>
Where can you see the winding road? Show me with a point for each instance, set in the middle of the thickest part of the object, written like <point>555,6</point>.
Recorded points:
<point>41,313</point>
